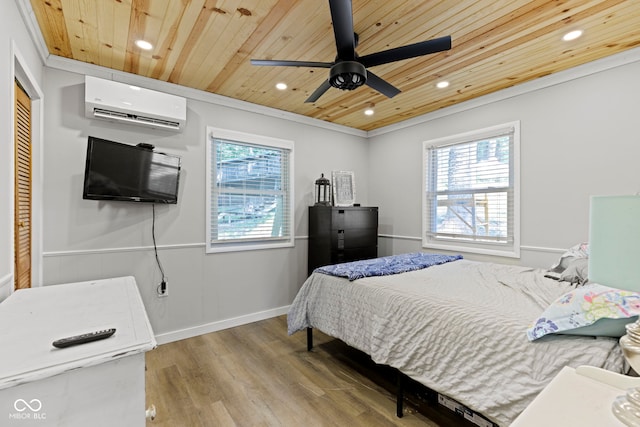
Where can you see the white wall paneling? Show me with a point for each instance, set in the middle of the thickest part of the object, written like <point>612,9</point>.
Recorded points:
<point>578,138</point>
<point>88,239</point>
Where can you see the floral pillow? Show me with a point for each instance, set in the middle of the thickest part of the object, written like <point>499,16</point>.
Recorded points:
<point>593,310</point>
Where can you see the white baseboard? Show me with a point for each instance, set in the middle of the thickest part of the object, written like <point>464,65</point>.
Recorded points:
<point>219,325</point>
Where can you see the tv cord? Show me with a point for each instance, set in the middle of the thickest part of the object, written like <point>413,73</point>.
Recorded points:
<point>155,247</point>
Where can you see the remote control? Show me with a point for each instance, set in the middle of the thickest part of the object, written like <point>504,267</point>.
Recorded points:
<point>83,338</point>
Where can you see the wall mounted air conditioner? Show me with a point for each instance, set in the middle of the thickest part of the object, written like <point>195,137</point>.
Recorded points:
<point>120,102</point>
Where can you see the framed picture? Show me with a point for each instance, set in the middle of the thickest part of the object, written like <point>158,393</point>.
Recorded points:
<point>344,188</point>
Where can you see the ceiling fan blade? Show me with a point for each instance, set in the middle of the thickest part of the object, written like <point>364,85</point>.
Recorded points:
<point>275,62</point>
<point>375,82</point>
<point>406,52</point>
<point>319,92</point>
<point>342,18</point>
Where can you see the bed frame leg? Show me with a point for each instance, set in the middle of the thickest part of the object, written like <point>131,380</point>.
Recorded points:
<point>400,395</point>
<point>309,339</point>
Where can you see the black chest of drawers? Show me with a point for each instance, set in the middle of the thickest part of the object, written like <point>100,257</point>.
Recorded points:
<point>341,234</point>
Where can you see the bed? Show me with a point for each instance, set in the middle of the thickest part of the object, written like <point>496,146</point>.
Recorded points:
<point>457,327</point>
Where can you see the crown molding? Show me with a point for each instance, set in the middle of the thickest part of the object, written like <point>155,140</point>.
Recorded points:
<point>53,61</point>
<point>597,66</point>
<point>31,23</point>
<point>65,64</point>
<point>74,66</point>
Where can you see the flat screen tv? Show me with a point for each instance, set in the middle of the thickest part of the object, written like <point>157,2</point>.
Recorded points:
<point>116,171</point>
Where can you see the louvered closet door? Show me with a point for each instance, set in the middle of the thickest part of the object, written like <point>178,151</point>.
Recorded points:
<point>22,192</point>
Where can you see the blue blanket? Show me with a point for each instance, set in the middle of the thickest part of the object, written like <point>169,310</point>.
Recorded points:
<point>386,265</point>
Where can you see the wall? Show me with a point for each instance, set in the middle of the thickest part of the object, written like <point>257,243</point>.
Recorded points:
<point>578,138</point>
<point>14,42</point>
<point>85,239</point>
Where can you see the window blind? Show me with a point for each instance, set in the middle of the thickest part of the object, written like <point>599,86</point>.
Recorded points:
<point>250,192</point>
<point>470,188</point>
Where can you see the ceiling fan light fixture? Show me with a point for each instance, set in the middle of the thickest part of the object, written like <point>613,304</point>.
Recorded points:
<point>348,75</point>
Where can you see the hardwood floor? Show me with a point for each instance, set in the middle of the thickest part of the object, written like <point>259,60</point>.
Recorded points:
<point>256,375</point>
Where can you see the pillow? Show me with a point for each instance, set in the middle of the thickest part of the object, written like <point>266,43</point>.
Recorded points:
<point>576,272</point>
<point>593,310</point>
<point>581,250</point>
<point>572,266</point>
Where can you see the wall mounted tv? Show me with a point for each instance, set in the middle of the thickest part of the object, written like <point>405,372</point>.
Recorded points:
<point>116,171</point>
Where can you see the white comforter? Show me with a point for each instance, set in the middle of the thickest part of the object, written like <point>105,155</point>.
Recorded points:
<point>458,328</point>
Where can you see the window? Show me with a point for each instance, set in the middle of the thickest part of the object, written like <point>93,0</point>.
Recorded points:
<point>249,191</point>
<point>471,200</point>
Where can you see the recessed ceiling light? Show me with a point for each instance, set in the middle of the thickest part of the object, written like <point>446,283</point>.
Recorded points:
<point>572,35</point>
<point>142,44</point>
<point>369,112</point>
<point>442,84</point>
<point>281,86</point>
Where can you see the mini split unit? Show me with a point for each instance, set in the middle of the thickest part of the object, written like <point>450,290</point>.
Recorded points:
<point>123,103</point>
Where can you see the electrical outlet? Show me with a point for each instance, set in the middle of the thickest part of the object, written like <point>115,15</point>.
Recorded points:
<point>163,291</point>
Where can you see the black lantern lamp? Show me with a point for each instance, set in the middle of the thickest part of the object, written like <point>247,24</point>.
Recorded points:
<point>323,191</point>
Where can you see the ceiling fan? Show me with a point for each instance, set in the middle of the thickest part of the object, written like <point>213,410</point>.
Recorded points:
<point>349,71</point>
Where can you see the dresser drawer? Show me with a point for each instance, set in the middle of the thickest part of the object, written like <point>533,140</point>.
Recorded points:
<point>350,238</point>
<point>354,218</point>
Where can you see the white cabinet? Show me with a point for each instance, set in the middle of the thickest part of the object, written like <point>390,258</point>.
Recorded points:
<point>99,383</point>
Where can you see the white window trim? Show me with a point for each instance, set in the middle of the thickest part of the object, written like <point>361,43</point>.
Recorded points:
<point>231,135</point>
<point>484,248</point>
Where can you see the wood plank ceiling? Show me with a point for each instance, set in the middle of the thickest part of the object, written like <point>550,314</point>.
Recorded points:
<point>207,45</point>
